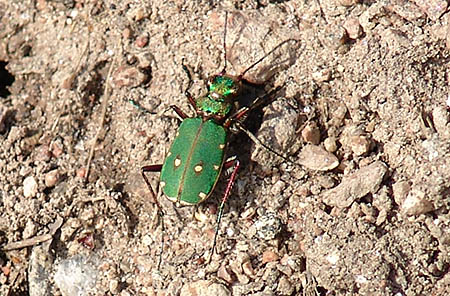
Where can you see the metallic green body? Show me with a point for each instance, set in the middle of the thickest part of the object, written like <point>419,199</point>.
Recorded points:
<point>221,92</point>
<point>194,162</point>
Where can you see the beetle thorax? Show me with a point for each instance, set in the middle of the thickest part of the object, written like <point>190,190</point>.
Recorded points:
<point>218,102</point>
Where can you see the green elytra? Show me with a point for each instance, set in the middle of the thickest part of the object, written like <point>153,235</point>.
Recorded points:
<point>195,159</point>
<point>193,164</point>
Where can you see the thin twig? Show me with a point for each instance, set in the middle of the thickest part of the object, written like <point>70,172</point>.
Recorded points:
<point>35,240</point>
<point>103,110</point>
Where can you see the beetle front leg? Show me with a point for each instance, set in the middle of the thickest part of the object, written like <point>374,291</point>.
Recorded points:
<point>242,112</point>
<point>179,113</point>
<point>186,91</point>
<point>235,164</point>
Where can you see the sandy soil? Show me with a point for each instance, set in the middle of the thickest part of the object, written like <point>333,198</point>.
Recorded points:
<point>361,207</point>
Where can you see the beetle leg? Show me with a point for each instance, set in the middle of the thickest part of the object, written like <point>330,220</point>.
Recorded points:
<point>235,164</point>
<point>261,143</point>
<point>155,168</point>
<point>194,211</point>
<point>179,111</point>
<point>186,92</point>
<point>236,116</point>
<point>242,112</point>
<point>228,166</point>
<point>151,168</point>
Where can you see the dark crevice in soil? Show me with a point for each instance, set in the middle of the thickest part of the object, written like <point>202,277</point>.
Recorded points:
<point>6,79</point>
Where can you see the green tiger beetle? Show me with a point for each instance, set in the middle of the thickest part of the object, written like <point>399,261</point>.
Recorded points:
<point>196,157</point>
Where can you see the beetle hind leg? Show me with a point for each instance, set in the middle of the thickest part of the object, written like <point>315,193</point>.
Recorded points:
<point>235,164</point>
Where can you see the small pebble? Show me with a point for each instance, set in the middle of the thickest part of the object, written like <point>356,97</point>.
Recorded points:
<point>326,182</point>
<point>41,5</point>
<point>138,14</point>
<point>441,119</point>
<point>248,213</point>
<point>330,144</point>
<point>141,41</point>
<point>43,153</point>
<point>354,30</point>
<point>6,270</point>
<point>269,256</point>
<point>225,274</point>
<point>248,268</point>
<point>348,3</point>
<point>338,116</point>
<point>57,149</point>
<point>4,111</point>
<point>433,8</point>
<point>87,214</point>
<point>30,229</point>
<point>371,16</point>
<point>145,60</point>
<point>416,203</point>
<point>30,187</point>
<point>400,190</point>
<point>354,186</point>
<point>334,37</point>
<point>278,131</point>
<point>278,188</point>
<point>360,145</point>
<point>268,226</point>
<point>285,287</point>
<point>67,230</point>
<point>204,287</point>
<point>126,33</point>
<point>147,240</point>
<point>322,75</point>
<point>39,271</point>
<point>81,173</point>
<point>311,134</point>
<point>126,76</point>
<point>316,158</point>
<point>407,10</point>
<point>51,178</point>
<point>114,286</point>
<point>67,81</point>
<point>394,39</point>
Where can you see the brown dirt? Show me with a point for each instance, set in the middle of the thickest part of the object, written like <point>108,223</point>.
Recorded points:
<point>368,82</point>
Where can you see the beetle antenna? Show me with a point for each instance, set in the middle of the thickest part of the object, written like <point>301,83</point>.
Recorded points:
<point>225,44</point>
<point>265,56</point>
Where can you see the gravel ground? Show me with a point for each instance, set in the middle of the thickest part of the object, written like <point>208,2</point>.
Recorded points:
<point>359,205</point>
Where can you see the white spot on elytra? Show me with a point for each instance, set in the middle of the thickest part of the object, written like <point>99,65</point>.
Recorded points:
<point>202,195</point>
<point>221,146</point>
<point>216,167</point>
<point>162,183</point>
<point>177,162</point>
<point>198,168</point>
